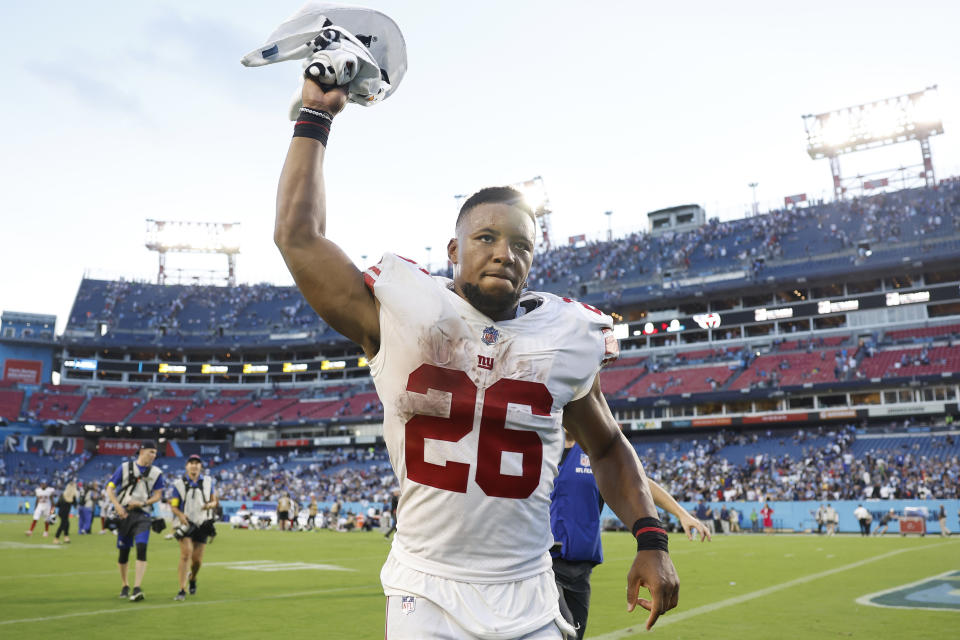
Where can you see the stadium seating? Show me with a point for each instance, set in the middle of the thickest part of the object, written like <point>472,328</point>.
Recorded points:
<point>44,406</point>
<point>105,409</point>
<point>819,240</point>
<point>161,411</point>
<point>675,382</point>
<point>262,410</point>
<point>11,402</point>
<point>905,363</point>
<point>789,369</point>
<point>614,379</point>
<point>925,332</point>
<point>212,410</point>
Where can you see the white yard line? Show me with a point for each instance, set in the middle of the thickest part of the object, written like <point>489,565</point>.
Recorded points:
<point>133,608</point>
<point>152,569</point>
<point>638,629</point>
<point>867,599</point>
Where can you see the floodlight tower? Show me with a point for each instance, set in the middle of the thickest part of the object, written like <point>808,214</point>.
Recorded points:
<point>165,236</point>
<point>536,196</point>
<point>912,116</point>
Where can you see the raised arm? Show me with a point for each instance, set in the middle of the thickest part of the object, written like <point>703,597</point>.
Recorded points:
<point>666,502</point>
<point>625,487</point>
<point>326,277</point>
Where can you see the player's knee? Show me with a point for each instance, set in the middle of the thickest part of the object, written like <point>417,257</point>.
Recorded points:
<point>142,551</point>
<point>124,556</point>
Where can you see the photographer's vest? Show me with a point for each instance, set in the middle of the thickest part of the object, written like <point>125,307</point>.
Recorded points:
<point>135,485</point>
<point>193,497</point>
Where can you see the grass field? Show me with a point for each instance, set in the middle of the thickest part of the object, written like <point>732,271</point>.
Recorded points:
<point>744,586</point>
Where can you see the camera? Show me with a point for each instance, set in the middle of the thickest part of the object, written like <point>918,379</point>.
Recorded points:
<point>158,525</point>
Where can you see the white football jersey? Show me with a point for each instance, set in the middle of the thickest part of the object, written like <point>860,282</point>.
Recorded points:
<point>472,419</point>
<point>44,496</point>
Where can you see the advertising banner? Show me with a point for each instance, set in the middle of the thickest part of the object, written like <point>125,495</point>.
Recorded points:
<point>187,448</point>
<point>43,444</point>
<point>117,447</point>
<point>23,371</point>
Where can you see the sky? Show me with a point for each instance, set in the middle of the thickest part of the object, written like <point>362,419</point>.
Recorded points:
<point>118,112</point>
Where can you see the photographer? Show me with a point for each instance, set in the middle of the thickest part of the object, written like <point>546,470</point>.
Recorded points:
<point>193,502</point>
<point>140,486</point>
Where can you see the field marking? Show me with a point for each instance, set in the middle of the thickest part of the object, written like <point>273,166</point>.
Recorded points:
<point>152,570</point>
<point>27,545</point>
<point>134,608</point>
<point>867,599</point>
<point>729,602</point>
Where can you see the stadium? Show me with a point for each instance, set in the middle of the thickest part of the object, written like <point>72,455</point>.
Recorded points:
<point>786,359</point>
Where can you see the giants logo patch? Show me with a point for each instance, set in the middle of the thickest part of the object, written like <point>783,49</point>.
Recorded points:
<point>484,362</point>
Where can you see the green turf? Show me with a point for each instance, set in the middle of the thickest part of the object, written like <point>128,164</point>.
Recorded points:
<point>70,591</point>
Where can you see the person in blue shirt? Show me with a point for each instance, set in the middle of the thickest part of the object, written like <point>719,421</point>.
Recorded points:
<point>575,506</point>
<point>134,487</point>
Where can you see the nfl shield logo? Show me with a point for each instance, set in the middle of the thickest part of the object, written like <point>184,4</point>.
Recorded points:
<point>584,460</point>
<point>490,336</point>
<point>407,604</point>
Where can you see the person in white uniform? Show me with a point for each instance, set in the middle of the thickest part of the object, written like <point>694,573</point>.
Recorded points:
<point>477,381</point>
<point>44,508</point>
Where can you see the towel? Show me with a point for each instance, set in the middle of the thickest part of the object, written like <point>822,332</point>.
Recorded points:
<point>355,47</point>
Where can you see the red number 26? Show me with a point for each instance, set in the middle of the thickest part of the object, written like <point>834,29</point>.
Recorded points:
<point>494,437</point>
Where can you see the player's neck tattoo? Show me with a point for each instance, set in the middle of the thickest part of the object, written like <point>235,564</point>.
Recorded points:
<point>502,307</point>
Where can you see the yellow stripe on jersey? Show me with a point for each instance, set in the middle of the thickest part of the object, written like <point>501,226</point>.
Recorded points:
<point>174,502</point>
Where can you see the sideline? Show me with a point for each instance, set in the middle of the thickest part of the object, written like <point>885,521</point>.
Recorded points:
<point>638,629</point>
<point>131,608</point>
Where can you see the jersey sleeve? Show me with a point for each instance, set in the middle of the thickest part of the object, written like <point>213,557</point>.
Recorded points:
<point>175,494</point>
<point>596,328</point>
<point>117,477</point>
<point>391,269</point>
<point>160,483</point>
<point>405,291</point>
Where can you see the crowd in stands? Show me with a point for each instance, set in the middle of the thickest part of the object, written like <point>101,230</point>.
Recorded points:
<point>825,468</point>
<point>348,476</point>
<point>818,465</point>
<point>247,313</point>
<point>20,474</point>
<point>752,243</point>
<point>173,312</point>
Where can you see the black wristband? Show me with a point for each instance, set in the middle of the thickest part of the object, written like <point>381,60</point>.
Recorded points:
<point>650,534</point>
<point>313,124</point>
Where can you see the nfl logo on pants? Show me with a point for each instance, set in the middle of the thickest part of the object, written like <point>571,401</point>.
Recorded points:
<point>407,604</point>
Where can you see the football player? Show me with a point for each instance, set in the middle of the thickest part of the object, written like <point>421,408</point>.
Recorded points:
<point>477,379</point>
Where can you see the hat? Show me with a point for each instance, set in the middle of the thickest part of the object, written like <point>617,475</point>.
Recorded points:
<point>148,444</point>
<point>195,457</point>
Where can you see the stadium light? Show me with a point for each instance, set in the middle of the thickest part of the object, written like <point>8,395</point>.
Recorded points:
<point>172,236</point>
<point>903,118</point>
<point>534,193</point>
<point>197,237</point>
<point>912,116</point>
